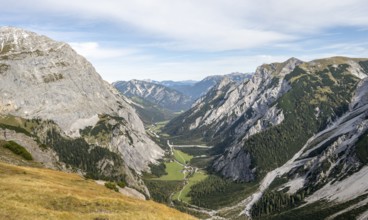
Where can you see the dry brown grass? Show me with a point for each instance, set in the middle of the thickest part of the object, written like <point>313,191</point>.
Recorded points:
<point>34,193</point>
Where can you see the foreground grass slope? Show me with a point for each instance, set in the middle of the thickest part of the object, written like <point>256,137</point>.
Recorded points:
<point>33,193</point>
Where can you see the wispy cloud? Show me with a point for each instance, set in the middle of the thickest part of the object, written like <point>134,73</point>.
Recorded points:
<point>217,25</point>
<point>190,39</point>
<point>94,51</point>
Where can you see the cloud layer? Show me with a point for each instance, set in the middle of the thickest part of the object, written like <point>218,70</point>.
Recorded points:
<point>153,32</point>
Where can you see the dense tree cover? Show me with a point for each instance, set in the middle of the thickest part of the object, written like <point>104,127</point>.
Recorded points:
<point>79,154</point>
<point>215,192</point>
<point>276,201</point>
<point>158,169</point>
<point>362,148</point>
<point>318,211</point>
<point>162,190</point>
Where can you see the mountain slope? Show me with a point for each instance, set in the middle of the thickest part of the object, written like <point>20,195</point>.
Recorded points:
<point>154,93</point>
<point>299,129</point>
<point>55,99</point>
<point>225,103</point>
<point>34,193</point>
<point>281,100</point>
<point>330,171</point>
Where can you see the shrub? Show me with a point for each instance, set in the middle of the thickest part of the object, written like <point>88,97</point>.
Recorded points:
<point>19,150</point>
<point>112,186</point>
<point>121,184</point>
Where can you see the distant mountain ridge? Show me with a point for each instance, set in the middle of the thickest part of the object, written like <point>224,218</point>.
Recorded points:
<point>154,93</point>
<point>158,100</point>
<point>196,89</point>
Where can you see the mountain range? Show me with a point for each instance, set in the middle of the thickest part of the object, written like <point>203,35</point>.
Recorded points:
<point>287,142</point>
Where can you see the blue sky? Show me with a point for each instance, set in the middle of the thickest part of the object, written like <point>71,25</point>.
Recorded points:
<point>191,39</point>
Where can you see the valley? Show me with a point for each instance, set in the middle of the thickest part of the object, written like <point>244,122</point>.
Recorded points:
<point>289,141</point>
<point>277,182</point>
<point>186,165</point>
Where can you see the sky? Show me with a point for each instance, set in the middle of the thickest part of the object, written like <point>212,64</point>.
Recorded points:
<point>191,39</point>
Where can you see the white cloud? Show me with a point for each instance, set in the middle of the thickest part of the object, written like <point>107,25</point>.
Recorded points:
<point>93,50</point>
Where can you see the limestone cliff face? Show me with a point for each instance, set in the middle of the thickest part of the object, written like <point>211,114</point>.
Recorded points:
<point>44,79</point>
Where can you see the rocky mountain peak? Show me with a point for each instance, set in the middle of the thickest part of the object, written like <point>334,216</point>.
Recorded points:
<point>279,69</point>
<point>45,79</point>
<point>17,40</point>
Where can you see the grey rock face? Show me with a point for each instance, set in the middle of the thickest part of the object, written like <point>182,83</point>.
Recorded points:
<point>42,78</point>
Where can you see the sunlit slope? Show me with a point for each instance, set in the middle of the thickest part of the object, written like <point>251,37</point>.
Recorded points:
<point>32,193</point>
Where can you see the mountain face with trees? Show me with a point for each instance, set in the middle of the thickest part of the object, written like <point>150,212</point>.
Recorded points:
<point>297,128</point>
<point>53,98</point>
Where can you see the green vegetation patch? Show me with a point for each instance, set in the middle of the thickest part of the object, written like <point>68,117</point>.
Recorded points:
<point>182,157</point>
<point>195,151</point>
<point>174,172</point>
<point>18,150</point>
<point>183,195</point>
